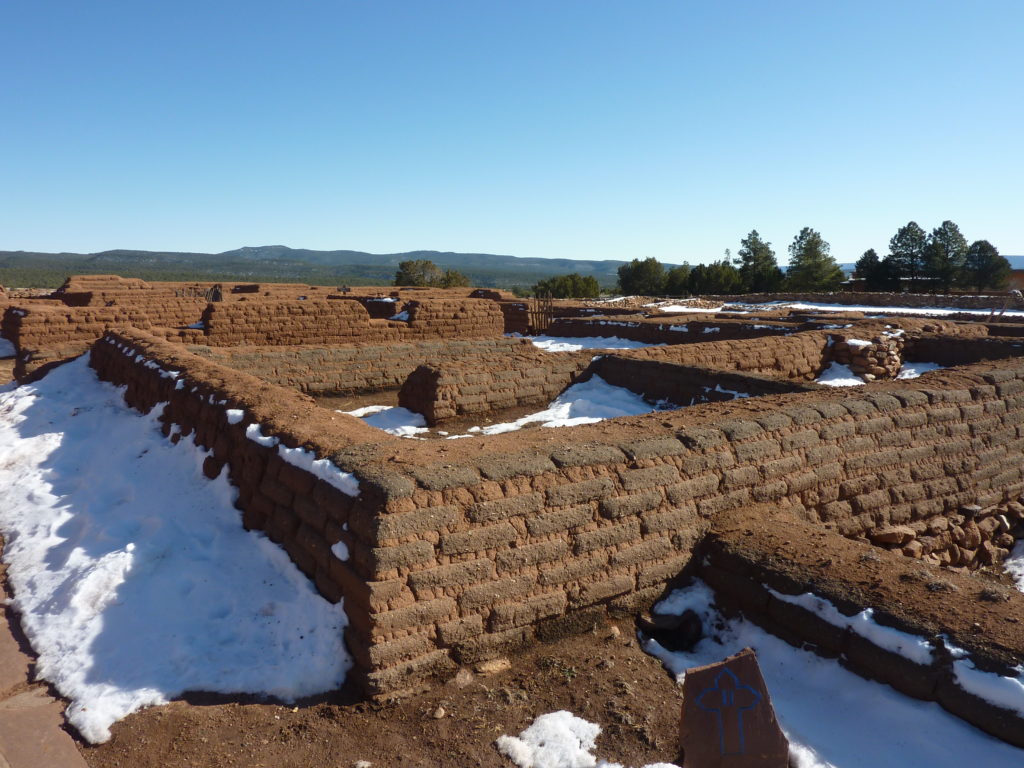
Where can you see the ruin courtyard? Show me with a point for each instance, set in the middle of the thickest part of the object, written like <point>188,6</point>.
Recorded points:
<point>801,505</point>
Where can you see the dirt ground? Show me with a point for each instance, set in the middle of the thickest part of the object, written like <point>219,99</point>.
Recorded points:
<point>601,676</point>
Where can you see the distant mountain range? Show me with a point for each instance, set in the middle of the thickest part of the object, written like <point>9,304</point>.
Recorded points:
<point>279,263</point>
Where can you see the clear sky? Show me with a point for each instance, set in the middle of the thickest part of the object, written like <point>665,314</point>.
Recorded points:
<point>555,128</point>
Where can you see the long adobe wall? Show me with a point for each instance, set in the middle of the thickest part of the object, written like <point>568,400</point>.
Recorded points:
<point>360,367</point>
<point>852,298</point>
<point>675,330</point>
<point>524,536</point>
<point>346,322</point>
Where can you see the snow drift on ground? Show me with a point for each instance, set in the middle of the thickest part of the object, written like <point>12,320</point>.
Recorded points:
<point>1014,565</point>
<point>839,375</point>
<point>557,740</point>
<point>133,576</point>
<point>575,344</point>
<point>394,420</point>
<point>913,370</point>
<point>831,716</point>
<point>584,403</point>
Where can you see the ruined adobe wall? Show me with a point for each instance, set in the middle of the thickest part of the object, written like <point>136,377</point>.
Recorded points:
<point>467,387</point>
<point>870,299</point>
<point>360,367</point>
<point>757,565</point>
<point>797,356</point>
<point>679,329</point>
<point>685,385</point>
<point>960,351</point>
<point>299,506</point>
<point>46,333</point>
<point>519,537</point>
<point>346,322</point>
<point>516,537</point>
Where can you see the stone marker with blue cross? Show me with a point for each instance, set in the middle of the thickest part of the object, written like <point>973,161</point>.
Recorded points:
<point>728,720</point>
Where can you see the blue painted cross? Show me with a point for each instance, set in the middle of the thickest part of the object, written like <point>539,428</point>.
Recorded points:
<point>728,698</point>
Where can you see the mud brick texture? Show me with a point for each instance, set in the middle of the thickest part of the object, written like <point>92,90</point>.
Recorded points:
<point>677,330</point>
<point>468,386</point>
<point>356,368</point>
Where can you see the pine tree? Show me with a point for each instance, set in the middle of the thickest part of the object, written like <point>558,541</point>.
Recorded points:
<point>642,278</point>
<point>757,265</point>
<point>946,254</point>
<point>811,267</point>
<point>907,248</point>
<point>984,267</point>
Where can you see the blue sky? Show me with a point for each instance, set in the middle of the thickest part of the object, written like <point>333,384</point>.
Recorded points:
<point>575,129</point>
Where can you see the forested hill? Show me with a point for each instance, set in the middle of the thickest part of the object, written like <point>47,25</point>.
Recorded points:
<point>282,264</point>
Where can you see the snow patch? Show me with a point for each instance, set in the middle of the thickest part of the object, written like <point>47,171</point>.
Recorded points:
<point>393,420</point>
<point>558,740</point>
<point>7,348</point>
<point>235,415</point>
<point>132,574</point>
<point>839,375</point>
<point>913,370</point>
<point>826,710</point>
<point>576,343</point>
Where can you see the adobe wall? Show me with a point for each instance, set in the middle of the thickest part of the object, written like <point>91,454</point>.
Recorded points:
<point>754,563</point>
<point>687,385</point>
<point>357,368</point>
<point>530,376</point>
<point>870,299</point>
<point>678,329</point>
<point>515,537</point>
<point>321,322</point>
<point>960,351</point>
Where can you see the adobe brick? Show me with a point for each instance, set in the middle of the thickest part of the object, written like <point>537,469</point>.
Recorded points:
<point>602,590</point>
<point>390,652</point>
<point>803,439</point>
<point>559,520</point>
<point>501,509</point>
<point>514,465</point>
<point>784,466</point>
<point>491,644</point>
<point>874,426</point>
<point>910,419</point>
<point>651,477</point>
<point>740,476</point>
<point>859,406</point>
<point>869,501</point>
<point>587,454</point>
<point>660,573</point>
<point>692,488</point>
<point>398,525</point>
<point>701,439</point>
<point>646,551</point>
<point>716,504</point>
<point>607,536</point>
<point>531,554</point>
<point>671,520</point>
<point>758,450</point>
<point>802,482</point>
<point>830,409</point>
<point>653,448</point>
<point>696,465</point>
<point>401,556</point>
<point>621,506</point>
<point>769,491</point>
<point>418,614</point>
<point>492,592</point>
<point>573,570</point>
<point>487,537</point>
<point>408,674</point>
<point>508,615</point>
<point>837,430</point>
<point>836,510</point>
<point>459,630</point>
<point>575,493</point>
<point>453,575</point>
<point>739,429</point>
